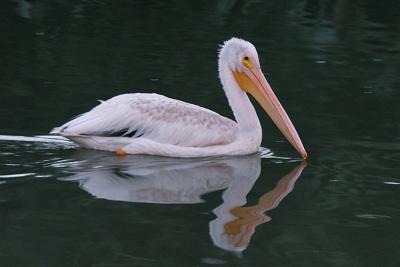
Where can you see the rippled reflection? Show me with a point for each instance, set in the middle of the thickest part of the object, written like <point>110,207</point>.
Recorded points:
<point>235,224</point>
<point>148,179</point>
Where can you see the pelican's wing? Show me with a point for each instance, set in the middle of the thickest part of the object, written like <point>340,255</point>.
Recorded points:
<point>154,117</point>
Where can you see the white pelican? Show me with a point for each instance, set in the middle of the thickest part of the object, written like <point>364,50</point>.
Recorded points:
<point>157,125</point>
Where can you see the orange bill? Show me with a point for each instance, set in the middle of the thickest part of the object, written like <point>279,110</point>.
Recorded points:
<point>252,80</point>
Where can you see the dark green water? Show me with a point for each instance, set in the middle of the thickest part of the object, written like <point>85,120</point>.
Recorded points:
<point>333,64</point>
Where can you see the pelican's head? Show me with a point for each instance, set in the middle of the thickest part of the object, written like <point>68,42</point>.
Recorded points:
<point>241,58</point>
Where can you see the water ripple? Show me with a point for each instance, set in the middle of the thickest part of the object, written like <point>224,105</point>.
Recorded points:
<point>16,175</point>
<point>373,216</point>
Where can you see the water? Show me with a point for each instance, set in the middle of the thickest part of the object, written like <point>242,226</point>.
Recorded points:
<point>333,64</point>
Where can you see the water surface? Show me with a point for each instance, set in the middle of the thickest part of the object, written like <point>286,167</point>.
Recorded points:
<point>333,64</point>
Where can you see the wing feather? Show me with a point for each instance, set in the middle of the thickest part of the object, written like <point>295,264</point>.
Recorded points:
<point>154,117</point>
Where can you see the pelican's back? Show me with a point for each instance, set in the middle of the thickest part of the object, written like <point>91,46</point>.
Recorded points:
<point>152,116</point>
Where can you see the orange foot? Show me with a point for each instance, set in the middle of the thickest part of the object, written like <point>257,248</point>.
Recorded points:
<point>121,152</point>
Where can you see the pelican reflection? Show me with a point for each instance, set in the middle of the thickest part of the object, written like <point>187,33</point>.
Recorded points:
<point>235,224</point>
<point>150,179</point>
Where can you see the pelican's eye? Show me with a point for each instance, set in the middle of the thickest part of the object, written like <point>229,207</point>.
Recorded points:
<point>246,62</point>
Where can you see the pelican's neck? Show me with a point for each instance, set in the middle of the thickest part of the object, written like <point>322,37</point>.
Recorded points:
<point>242,108</point>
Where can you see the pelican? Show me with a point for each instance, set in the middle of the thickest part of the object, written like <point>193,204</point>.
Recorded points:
<point>154,124</point>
